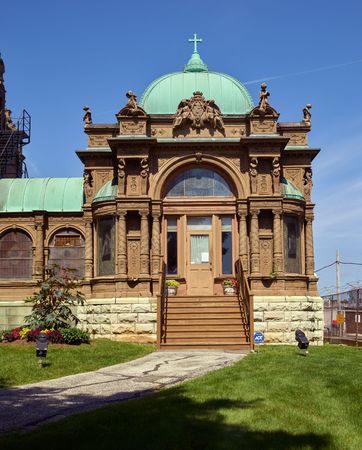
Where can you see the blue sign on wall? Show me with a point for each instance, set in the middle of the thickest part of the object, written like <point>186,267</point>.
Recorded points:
<point>258,337</point>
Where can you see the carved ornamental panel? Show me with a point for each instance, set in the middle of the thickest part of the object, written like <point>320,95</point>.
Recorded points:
<point>133,254</point>
<point>266,255</point>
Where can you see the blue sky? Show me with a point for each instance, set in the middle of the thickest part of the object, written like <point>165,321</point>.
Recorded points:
<point>60,56</point>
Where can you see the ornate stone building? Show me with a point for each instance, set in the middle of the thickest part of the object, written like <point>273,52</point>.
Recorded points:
<point>194,184</point>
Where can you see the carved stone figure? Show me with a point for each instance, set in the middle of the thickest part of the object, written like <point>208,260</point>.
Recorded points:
<point>121,168</point>
<point>121,173</point>
<point>308,183</point>
<point>307,114</point>
<point>276,174</point>
<point>264,94</point>
<point>131,108</point>
<point>144,175</point>
<point>87,118</point>
<point>9,124</point>
<point>253,170</point>
<point>197,112</point>
<point>88,185</point>
<point>144,168</point>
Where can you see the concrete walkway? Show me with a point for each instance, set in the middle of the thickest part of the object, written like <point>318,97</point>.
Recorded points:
<point>33,404</point>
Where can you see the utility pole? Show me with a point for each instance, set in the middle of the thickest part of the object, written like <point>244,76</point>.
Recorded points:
<point>357,316</point>
<point>338,281</point>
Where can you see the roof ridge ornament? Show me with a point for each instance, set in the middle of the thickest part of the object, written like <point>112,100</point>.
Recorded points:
<point>195,63</point>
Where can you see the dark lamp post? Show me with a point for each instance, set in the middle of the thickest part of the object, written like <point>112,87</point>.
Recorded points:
<point>41,347</point>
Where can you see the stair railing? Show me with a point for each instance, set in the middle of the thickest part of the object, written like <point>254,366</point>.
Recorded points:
<point>161,304</point>
<point>245,299</point>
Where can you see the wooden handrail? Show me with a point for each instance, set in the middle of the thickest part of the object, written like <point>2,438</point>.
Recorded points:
<point>246,299</point>
<point>161,303</point>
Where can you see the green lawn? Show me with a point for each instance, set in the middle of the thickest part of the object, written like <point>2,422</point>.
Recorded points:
<point>277,399</point>
<point>18,363</point>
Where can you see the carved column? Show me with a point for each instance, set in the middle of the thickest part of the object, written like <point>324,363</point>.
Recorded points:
<point>243,239</point>
<point>254,242</point>
<point>145,246</point>
<point>122,243</point>
<point>156,243</point>
<point>39,248</point>
<point>309,251</point>
<point>278,248</point>
<point>88,250</point>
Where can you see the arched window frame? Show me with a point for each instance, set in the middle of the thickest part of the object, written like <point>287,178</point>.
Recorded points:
<point>70,236</point>
<point>182,184</point>
<point>19,266</point>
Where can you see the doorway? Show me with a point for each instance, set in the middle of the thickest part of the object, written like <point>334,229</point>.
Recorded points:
<point>199,256</point>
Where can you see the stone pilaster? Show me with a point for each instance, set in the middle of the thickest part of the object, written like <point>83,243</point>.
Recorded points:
<point>145,246</point>
<point>122,243</point>
<point>39,247</point>
<point>156,243</point>
<point>254,242</point>
<point>278,248</point>
<point>243,239</point>
<point>309,251</point>
<point>88,248</point>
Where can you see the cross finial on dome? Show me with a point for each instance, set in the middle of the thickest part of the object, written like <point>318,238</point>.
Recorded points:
<point>195,63</point>
<point>195,41</point>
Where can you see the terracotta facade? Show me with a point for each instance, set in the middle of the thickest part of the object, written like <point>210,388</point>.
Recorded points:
<point>135,161</point>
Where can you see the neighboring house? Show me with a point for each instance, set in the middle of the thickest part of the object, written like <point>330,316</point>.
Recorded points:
<point>190,184</point>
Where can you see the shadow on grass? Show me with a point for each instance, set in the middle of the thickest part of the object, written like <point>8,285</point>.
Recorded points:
<point>169,420</point>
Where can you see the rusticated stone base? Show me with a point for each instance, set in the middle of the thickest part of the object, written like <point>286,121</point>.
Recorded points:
<point>129,319</point>
<point>278,317</point>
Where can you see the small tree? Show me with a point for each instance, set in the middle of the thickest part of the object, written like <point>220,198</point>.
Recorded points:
<point>52,304</point>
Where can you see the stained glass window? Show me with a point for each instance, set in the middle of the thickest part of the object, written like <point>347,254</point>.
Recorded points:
<point>106,261</point>
<point>292,244</point>
<point>66,249</point>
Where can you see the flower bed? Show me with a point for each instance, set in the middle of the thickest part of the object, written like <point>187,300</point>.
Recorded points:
<point>72,336</point>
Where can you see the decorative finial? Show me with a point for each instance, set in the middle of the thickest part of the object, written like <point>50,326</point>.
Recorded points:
<point>195,41</point>
<point>195,63</point>
<point>307,114</point>
<point>264,94</point>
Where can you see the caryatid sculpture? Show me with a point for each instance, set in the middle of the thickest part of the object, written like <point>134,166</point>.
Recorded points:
<point>87,118</point>
<point>307,116</point>
<point>264,94</point>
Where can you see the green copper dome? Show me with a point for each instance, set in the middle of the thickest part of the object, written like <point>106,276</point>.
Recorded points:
<point>106,193</point>
<point>289,190</point>
<point>165,93</point>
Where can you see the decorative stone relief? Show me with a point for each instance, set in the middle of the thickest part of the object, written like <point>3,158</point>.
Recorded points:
<point>133,253</point>
<point>101,177</point>
<point>132,118</point>
<point>266,256</point>
<point>98,140</point>
<point>296,138</point>
<point>197,112</point>
<point>133,185</point>
<point>295,176</point>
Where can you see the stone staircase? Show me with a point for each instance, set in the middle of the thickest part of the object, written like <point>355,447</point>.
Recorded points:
<point>204,322</point>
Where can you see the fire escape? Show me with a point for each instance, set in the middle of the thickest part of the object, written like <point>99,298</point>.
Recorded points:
<point>12,160</point>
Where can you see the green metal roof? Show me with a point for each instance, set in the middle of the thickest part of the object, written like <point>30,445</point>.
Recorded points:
<point>165,93</point>
<point>289,190</point>
<point>107,192</point>
<point>41,194</point>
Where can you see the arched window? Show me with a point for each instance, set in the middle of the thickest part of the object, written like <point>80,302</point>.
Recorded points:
<point>16,256</point>
<point>66,249</point>
<point>198,183</point>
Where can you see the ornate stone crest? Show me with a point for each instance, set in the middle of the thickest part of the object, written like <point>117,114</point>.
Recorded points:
<point>197,112</point>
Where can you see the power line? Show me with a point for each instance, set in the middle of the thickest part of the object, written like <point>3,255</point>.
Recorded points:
<point>340,262</point>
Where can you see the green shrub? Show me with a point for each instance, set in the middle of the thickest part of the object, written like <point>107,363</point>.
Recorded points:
<point>75,336</point>
<point>51,306</point>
